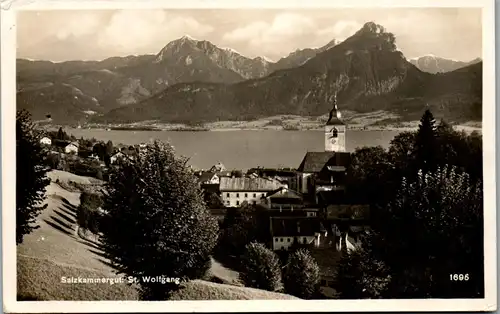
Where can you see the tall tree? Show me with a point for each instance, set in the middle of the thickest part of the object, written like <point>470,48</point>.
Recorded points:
<point>434,228</point>
<point>262,268</point>
<point>301,275</point>
<point>426,143</point>
<point>157,221</point>
<point>31,175</point>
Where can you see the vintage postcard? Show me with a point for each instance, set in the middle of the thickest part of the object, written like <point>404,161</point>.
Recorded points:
<point>293,156</point>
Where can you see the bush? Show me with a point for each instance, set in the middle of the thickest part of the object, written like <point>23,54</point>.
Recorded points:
<point>157,221</point>
<point>301,275</point>
<point>261,268</point>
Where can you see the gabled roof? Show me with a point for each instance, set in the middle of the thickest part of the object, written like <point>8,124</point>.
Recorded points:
<point>206,176</point>
<point>314,162</point>
<point>284,192</point>
<point>293,226</point>
<point>248,184</point>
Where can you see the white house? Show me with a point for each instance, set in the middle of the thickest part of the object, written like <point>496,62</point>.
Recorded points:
<point>116,157</point>
<point>71,148</point>
<point>286,231</point>
<point>235,191</point>
<point>209,178</point>
<point>45,141</point>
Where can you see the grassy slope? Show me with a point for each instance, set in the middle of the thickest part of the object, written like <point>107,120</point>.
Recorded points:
<point>55,250</point>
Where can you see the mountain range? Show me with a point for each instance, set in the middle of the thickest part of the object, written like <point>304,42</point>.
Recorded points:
<point>433,64</point>
<point>191,80</point>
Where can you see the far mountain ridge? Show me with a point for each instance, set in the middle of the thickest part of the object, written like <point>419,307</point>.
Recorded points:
<point>434,64</point>
<point>366,71</point>
<point>195,79</point>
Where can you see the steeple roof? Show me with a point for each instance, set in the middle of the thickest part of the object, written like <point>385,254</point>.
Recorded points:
<point>334,118</point>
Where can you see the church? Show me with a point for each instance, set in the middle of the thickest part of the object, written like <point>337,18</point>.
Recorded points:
<point>322,174</point>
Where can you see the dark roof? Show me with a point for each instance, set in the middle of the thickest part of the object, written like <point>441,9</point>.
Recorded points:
<point>284,192</point>
<point>317,161</point>
<point>331,197</point>
<point>214,188</point>
<point>205,176</point>
<point>293,226</point>
<point>335,121</point>
<point>354,212</point>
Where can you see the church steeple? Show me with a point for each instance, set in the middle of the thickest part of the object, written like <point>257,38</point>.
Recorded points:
<point>335,130</point>
<point>335,115</point>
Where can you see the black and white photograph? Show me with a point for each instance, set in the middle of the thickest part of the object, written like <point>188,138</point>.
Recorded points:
<point>312,157</point>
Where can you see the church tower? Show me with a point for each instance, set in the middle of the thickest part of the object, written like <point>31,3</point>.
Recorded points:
<point>335,130</point>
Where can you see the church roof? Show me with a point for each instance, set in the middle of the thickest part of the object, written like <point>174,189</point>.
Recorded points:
<point>334,118</point>
<point>316,161</point>
<point>335,121</point>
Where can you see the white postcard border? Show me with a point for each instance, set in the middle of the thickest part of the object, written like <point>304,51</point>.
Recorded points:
<point>8,98</point>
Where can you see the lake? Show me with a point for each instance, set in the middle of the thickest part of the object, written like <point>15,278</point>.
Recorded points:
<point>241,149</point>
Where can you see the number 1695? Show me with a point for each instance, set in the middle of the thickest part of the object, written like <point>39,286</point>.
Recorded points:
<point>459,277</point>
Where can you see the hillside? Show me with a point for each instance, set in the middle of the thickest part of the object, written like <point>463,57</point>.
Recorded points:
<point>366,70</point>
<point>55,250</point>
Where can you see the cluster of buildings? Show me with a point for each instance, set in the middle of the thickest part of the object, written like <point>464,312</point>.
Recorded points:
<point>307,206</point>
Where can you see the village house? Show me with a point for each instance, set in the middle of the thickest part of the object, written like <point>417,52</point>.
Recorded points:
<point>287,202</point>
<point>288,231</point>
<point>71,148</point>
<point>218,167</point>
<point>208,178</point>
<point>235,191</point>
<point>46,141</point>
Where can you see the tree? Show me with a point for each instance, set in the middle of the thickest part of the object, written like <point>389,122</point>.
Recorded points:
<point>261,268</point>
<point>31,175</point>
<point>369,167</point>
<point>362,273</point>
<point>426,143</point>
<point>242,226</point>
<point>109,148</point>
<point>301,275</point>
<point>434,228</point>
<point>157,222</point>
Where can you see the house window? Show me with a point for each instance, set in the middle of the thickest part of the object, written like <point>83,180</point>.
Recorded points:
<point>228,202</point>
<point>227,194</point>
<point>281,239</point>
<point>237,202</point>
<point>304,240</point>
<point>254,194</point>
<point>246,195</point>
<point>254,202</point>
<point>288,240</point>
<point>276,239</point>
<point>237,194</point>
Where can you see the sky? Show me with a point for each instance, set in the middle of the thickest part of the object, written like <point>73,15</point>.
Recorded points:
<point>454,33</point>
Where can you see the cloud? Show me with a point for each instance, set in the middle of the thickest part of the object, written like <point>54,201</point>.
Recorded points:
<point>79,25</point>
<point>287,32</point>
<point>144,31</point>
<point>341,29</point>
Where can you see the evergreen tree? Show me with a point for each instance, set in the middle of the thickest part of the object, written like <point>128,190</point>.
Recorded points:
<point>426,144</point>
<point>61,135</point>
<point>261,268</point>
<point>301,275</point>
<point>109,148</point>
<point>31,175</point>
<point>157,222</point>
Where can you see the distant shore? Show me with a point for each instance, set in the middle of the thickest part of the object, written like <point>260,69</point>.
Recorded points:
<point>374,121</point>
